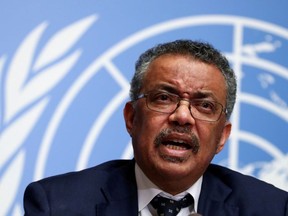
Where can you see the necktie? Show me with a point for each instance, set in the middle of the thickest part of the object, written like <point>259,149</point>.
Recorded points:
<point>169,207</point>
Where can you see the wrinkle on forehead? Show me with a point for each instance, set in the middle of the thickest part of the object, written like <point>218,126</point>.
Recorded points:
<point>186,76</point>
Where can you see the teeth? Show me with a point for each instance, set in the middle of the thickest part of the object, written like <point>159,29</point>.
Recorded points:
<point>174,147</point>
<point>176,144</point>
<point>178,141</point>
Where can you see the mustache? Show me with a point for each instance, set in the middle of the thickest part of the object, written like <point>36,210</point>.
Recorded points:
<point>164,133</point>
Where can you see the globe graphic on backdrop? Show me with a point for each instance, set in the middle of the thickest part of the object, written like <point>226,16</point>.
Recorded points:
<point>249,61</point>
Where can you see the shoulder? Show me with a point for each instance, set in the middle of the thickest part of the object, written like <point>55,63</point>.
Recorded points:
<point>78,191</point>
<point>244,184</point>
<point>235,192</point>
<point>100,171</point>
<point>88,178</point>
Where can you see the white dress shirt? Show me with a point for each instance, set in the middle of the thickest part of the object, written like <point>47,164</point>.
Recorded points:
<point>148,190</point>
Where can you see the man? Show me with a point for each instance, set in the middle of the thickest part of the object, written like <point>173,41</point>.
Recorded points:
<point>182,95</point>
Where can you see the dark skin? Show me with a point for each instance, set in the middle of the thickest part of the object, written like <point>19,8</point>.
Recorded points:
<point>171,168</point>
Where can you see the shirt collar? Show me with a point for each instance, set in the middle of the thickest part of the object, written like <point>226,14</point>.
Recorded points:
<point>147,190</point>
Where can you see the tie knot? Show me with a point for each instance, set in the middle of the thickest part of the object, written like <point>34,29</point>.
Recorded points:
<point>169,207</point>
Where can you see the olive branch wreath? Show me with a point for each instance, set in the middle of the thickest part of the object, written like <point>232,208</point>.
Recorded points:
<point>26,87</point>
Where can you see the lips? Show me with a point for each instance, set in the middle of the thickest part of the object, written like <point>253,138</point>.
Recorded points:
<point>176,144</point>
<point>176,139</point>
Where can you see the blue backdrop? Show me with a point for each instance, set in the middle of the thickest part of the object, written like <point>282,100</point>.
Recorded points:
<point>65,68</point>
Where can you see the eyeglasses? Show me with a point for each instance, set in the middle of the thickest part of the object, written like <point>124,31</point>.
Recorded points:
<point>165,102</point>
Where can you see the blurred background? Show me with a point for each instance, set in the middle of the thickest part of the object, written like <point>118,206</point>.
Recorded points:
<point>65,68</point>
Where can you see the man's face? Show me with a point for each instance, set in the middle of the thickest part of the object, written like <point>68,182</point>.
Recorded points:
<point>174,150</point>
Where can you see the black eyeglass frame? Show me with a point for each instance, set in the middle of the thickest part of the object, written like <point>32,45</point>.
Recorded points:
<point>145,95</point>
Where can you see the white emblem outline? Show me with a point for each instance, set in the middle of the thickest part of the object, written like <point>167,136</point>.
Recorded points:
<point>105,60</point>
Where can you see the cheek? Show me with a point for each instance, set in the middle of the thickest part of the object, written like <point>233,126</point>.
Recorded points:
<point>209,136</point>
<point>147,120</point>
<point>147,128</point>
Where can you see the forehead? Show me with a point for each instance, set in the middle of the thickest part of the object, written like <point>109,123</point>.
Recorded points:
<point>186,75</point>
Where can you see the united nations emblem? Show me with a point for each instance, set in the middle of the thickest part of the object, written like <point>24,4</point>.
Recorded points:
<point>85,124</point>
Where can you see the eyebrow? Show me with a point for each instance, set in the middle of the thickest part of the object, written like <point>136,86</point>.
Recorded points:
<point>199,94</point>
<point>203,94</point>
<point>170,89</point>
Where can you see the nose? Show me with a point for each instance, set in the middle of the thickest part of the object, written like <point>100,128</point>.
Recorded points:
<point>182,115</point>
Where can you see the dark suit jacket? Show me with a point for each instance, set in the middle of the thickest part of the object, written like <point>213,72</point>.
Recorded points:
<point>110,189</point>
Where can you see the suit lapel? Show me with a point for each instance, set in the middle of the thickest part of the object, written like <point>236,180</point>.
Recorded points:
<point>120,193</point>
<point>214,198</point>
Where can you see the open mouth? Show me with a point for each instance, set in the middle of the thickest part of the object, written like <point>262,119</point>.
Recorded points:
<point>177,139</point>
<point>176,145</point>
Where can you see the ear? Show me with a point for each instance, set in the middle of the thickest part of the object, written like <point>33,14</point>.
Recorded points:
<point>224,137</point>
<point>129,113</point>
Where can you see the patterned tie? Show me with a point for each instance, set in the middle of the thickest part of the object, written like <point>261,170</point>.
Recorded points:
<point>169,207</point>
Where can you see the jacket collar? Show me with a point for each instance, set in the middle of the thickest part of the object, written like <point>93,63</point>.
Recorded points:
<point>120,192</point>
<point>214,195</point>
